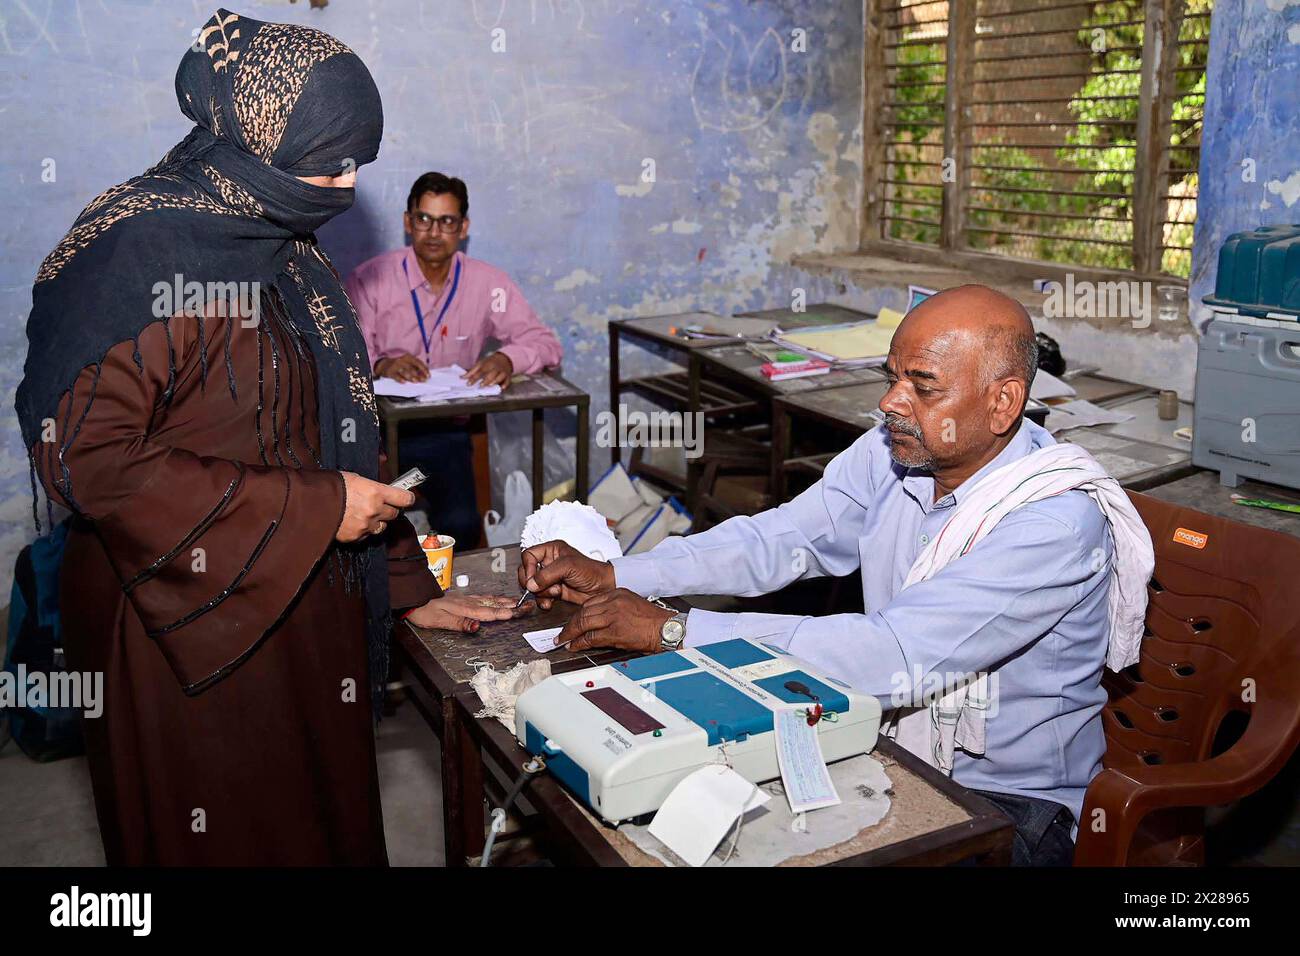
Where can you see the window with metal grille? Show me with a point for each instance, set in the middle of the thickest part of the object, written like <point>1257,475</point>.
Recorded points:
<point>1051,130</point>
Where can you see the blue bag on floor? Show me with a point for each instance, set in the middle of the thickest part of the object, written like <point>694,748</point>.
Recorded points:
<point>35,641</point>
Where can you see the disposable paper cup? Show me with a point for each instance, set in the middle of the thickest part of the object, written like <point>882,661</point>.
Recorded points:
<point>437,551</point>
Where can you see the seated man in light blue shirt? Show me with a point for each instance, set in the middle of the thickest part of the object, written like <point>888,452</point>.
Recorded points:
<point>1028,604</point>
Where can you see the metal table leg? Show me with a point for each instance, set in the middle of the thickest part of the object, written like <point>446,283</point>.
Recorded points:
<point>539,445</point>
<point>615,453</point>
<point>780,450</point>
<point>580,489</point>
<point>693,468</point>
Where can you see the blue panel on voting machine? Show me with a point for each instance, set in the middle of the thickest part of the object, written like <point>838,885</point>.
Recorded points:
<point>734,653</point>
<point>654,665</point>
<point>722,711</point>
<point>830,698</point>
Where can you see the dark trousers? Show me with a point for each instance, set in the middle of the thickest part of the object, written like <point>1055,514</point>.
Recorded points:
<point>442,451</point>
<point>1043,827</point>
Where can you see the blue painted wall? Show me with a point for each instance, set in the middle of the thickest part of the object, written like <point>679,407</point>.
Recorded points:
<point>1250,147</point>
<point>756,150</point>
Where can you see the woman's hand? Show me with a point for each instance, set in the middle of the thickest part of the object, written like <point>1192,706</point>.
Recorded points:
<point>369,507</point>
<point>462,612</point>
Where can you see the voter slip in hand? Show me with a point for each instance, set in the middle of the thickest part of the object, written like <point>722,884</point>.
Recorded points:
<point>543,641</point>
<point>443,384</point>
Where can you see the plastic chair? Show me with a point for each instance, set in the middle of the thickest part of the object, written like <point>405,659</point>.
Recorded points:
<point>1221,652</point>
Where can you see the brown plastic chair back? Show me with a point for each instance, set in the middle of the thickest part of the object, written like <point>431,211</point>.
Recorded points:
<point>1221,652</point>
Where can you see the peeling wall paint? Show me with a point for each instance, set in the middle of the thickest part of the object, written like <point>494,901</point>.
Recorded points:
<point>756,153</point>
<point>1250,166</point>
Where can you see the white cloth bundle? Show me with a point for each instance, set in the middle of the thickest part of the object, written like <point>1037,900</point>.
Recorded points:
<point>500,689</point>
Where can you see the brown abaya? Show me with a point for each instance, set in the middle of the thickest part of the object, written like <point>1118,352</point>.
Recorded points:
<point>201,577</point>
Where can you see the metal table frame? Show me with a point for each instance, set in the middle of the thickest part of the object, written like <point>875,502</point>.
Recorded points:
<point>394,413</point>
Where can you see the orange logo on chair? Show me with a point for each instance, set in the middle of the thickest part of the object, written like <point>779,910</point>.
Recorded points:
<point>1193,539</point>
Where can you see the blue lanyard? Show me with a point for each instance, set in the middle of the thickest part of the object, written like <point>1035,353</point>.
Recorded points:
<point>419,313</point>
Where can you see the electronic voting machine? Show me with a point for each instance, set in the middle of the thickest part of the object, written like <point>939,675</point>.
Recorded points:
<point>621,736</point>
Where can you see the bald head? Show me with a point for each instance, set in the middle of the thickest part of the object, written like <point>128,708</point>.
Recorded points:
<point>960,367</point>
<point>995,324</point>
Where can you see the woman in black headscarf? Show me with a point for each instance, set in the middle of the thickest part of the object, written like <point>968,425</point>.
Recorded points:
<point>196,392</point>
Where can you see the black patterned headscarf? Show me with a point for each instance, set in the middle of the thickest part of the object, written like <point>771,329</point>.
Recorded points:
<point>271,102</point>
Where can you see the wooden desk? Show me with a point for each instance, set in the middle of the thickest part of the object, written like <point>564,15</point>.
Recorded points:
<point>534,393</point>
<point>439,662</point>
<point>697,389</point>
<point>852,410</point>
<point>1135,464</point>
<point>932,821</point>
<point>744,367</point>
<point>1146,424</point>
<point>1140,454</point>
<point>1103,390</point>
<point>818,314</point>
<point>1201,490</point>
<point>683,391</point>
<point>658,329</point>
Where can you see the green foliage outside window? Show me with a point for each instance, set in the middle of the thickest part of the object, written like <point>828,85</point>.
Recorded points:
<point>1085,168</point>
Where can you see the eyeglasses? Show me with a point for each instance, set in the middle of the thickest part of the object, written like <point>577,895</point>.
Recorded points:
<point>423,222</point>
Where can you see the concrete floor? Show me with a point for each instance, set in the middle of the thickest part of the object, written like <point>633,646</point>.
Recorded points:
<point>47,813</point>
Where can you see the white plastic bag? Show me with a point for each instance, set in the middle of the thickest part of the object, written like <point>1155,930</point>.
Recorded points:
<point>510,449</point>
<point>508,528</point>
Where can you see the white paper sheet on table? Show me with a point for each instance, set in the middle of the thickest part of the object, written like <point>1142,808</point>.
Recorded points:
<point>1046,385</point>
<point>543,641</point>
<point>443,384</point>
<point>771,834</point>
<point>1080,414</point>
<point>1121,467</point>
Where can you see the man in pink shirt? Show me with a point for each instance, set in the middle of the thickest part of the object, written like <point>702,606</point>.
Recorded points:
<point>428,305</point>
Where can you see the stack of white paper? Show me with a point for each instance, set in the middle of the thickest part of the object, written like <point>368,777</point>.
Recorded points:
<point>443,384</point>
<point>640,516</point>
<point>582,527</point>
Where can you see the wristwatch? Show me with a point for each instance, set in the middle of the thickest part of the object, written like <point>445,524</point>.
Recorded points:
<point>673,633</point>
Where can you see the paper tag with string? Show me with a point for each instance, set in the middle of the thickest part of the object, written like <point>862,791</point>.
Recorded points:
<point>702,809</point>
<point>807,781</point>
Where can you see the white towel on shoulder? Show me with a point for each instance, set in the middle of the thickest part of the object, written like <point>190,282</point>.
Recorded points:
<point>957,720</point>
